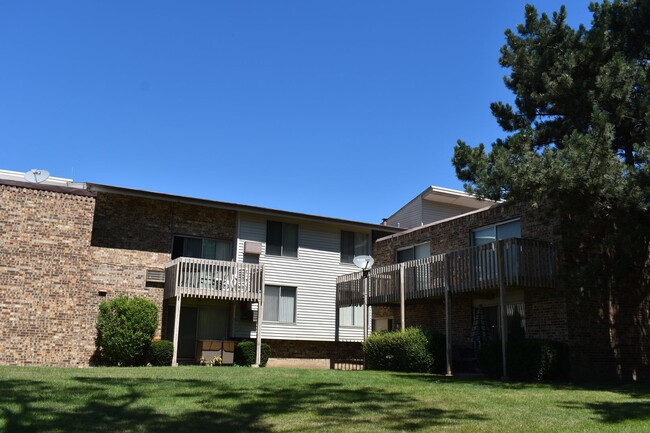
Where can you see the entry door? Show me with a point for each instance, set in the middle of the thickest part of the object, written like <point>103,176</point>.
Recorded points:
<point>186,331</point>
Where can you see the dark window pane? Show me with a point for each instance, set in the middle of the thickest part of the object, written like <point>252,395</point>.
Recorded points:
<point>192,247</point>
<point>509,230</point>
<point>177,247</point>
<point>361,244</point>
<point>209,249</point>
<point>273,238</point>
<point>290,240</point>
<point>347,247</point>
<point>405,255</point>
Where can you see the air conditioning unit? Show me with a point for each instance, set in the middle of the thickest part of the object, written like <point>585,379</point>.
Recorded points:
<point>155,276</point>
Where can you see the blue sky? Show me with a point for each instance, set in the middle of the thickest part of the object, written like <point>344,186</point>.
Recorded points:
<point>339,108</point>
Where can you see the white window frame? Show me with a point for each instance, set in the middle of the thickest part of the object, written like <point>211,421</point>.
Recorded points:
<point>295,303</point>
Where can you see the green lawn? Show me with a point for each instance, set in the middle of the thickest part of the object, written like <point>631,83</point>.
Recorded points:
<point>203,399</point>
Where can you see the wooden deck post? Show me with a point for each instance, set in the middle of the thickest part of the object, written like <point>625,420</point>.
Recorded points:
<point>260,318</point>
<point>337,315</point>
<point>402,297</point>
<point>502,308</point>
<point>177,319</point>
<point>448,318</point>
<point>365,305</point>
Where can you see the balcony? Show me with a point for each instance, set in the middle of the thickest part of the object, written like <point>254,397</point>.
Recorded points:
<point>520,263</point>
<point>213,279</point>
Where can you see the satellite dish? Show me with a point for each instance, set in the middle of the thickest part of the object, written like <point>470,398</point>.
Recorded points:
<point>363,262</point>
<point>37,176</point>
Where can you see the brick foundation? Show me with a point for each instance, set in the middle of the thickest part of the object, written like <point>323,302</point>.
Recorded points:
<point>293,352</point>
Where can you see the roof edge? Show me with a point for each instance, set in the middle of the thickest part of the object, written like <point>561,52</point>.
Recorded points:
<point>96,187</point>
<point>47,187</point>
<point>493,205</point>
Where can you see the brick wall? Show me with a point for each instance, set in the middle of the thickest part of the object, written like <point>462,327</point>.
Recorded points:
<point>61,249</point>
<point>132,234</point>
<point>47,306</point>
<point>314,349</point>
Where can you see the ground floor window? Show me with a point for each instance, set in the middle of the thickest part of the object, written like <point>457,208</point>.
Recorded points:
<point>351,316</point>
<point>382,324</point>
<point>280,304</point>
<point>486,319</point>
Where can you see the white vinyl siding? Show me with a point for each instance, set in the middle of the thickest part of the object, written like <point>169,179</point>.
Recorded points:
<point>419,212</point>
<point>432,211</point>
<point>409,216</point>
<point>313,273</point>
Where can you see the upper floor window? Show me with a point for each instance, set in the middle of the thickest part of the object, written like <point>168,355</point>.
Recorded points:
<point>496,232</point>
<point>281,239</point>
<point>201,248</point>
<point>413,253</point>
<point>354,244</point>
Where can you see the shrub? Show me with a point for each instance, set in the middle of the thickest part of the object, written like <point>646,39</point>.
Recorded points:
<point>245,353</point>
<point>125,327</point>
<point>528,360</point>
<point>411,350</point>
<point>161,353</point>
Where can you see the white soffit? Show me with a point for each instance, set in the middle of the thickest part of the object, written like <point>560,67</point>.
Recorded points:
<point>453,197</point>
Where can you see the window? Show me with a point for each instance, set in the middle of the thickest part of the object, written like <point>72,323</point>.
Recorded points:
<point>413,253</point>
<point>416,277</point>
<point>497,232</point>
<point>382,324</point>
<point>485,258</point>
<point>354,244</point>
<point>351,316</point>
<point>486,320</point>
<point>280,304</point>
<point>281,239</point>
<point>201,248</point>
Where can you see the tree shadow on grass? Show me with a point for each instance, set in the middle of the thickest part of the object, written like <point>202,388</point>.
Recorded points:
<point>609,412</point>
<point>636,390</point>
<point>86,404</point>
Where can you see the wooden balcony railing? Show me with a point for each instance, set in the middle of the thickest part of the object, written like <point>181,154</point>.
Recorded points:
<point>522,263</point>
<point>215,279</point>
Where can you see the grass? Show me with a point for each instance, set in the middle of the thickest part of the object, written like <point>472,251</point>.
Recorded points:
<point>202,399</point>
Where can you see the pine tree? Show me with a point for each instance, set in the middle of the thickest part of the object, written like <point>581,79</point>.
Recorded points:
<point>577,147</point>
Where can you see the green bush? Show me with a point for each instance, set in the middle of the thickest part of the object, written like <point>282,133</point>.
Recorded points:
<point>528,360</point>
<point>245,353</point>
<point>161,353</point>
<point>125,327</point>
<point>411,350</point>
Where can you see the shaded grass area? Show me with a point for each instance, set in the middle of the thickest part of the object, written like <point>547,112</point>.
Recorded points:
<point>190,399</point>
